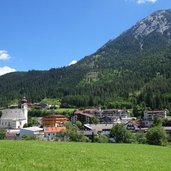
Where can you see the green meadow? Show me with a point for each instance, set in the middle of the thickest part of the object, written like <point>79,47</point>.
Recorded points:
<point>55,156</point>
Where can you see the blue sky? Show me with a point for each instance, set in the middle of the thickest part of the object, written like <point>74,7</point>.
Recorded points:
<point>44,34</point>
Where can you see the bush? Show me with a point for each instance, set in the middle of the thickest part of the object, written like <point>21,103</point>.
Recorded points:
<point>157,122</point>
<point>156,136</point>
<point>141,138</point>
<point>121,134</point>
<point>77,137</point>
<point>94,120</point>
<point>28,137</point>
<point>72,133</point>
<point>166,122</point>
<point>79,124</point>
<point>101,139</point>
<point>2,134</point>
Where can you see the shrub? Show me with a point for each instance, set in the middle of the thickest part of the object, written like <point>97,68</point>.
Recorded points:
<point>72,133</point>
<point>2,134</point>
<point>157,122</point>
<point>156,136</point>
<point>121,134</point>
<point>28,137</point>
<point>79,124</point>
<point>141,138</point>
<point>101,139</point>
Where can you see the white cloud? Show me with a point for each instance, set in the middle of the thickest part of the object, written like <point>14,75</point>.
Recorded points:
<point>73,62</point>
<point>146,1</point>
<point>142,1</point>
<point>4,55</point>
<point>5,70</point>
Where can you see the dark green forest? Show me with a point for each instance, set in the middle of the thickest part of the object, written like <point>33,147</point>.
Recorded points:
<point>127,72</point>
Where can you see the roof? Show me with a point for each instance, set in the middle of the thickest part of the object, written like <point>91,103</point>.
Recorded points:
<point>24,100</point>
<point>90,110</point>
<point>115,110</point>
<point>167,128</point>
<point>34,129</point>
<point>135,122</point>
<point>156,112</point>
<point>54,129</point>
<point>13,114</point>
<point>82,113</point>
<point>55,116</point>
<point>98,127</point>
<point>146,129</point>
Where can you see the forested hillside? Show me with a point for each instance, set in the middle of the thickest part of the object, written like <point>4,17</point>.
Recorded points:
<point>131,71</point>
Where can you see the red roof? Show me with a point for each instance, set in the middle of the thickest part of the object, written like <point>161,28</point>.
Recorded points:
<point>135,122</point>
<point>24,100</point>
<point>55,116</point>
<point>54,129</point>
<point>84,114</point>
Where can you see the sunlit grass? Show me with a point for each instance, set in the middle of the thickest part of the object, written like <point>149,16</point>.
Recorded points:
<point>32,155</point>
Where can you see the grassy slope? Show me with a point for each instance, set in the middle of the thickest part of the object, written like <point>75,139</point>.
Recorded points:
<point>44,156</point>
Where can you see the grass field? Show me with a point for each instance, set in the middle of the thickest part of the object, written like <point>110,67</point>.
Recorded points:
<point>66,110</point>
<point>50,156</point>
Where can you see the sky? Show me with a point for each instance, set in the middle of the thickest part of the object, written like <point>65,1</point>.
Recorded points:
<point>44,34</point>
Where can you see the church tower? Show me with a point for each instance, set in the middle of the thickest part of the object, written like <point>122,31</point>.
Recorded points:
<point>24,108</point>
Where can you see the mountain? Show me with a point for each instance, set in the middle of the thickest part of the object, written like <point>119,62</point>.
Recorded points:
<point>131,71</point>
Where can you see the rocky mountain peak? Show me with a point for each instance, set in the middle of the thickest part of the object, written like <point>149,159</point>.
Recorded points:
<point>159,21</point>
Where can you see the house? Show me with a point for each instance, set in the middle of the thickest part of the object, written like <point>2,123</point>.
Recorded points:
<point>50,133</point>
<point>110,116</point>
<point>107,116</point>
<point>115,112</point>
<point>126,120</point>
<point>82,116</point>
<point>12,134</point>
<point>54,120</point>
<point>93,111</point>
<point>107,119</point>
<point>36,131</point>
<point>143,130</point>
<point>149,116</point>
<point>132,124</point>
<point>103,129</point>
<point>16,117</point>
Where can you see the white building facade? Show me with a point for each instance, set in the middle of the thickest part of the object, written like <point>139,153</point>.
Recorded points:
<point>149,116</point>
<point>14,118</point>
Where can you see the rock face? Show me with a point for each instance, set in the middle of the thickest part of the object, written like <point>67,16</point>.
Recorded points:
<point>157,22</point>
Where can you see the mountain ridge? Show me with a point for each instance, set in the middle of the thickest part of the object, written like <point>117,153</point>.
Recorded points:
<point>125,68</point>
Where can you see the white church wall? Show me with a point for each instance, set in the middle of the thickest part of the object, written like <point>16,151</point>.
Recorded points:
<point>14,118</point>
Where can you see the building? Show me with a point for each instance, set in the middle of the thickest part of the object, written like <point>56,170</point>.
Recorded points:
<point>54,120</point>
<point>51,133</point>
<point>36,131</point>
<point>103,129</point>
<point>12,134</point>
<point>115,112</point>
<point>110,116</point>
<point>149,116</point>
<point>85,116</point>
<point>107,116</point>
<point>81,116</point>
<point>108,119</point>
<point>16,117</point>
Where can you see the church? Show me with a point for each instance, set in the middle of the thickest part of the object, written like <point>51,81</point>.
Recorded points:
<point>15,118</point>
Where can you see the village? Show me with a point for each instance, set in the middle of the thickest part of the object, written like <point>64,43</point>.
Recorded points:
<point>89,122</point>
